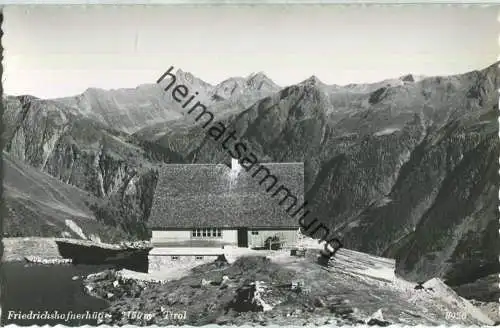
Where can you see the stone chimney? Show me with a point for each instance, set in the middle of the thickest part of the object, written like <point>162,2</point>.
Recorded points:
<point>235,165</point>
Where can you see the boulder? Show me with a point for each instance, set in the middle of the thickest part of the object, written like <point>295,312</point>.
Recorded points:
<point>89,289</point>
<point>318,302</point>
<point>377,319</point>
<point>245,300</point>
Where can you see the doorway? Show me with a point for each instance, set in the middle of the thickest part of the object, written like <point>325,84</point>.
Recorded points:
<point>242,237</point>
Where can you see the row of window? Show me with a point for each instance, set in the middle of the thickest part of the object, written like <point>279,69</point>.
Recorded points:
<point>207,232</point>
<point>211,232</point>
<point>178,257</point>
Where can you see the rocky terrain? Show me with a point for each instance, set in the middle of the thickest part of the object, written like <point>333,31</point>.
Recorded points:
<point>405,168</point>
<point>352,289</point>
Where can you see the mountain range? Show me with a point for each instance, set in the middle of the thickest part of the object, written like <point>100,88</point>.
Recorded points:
<point>405,168</point>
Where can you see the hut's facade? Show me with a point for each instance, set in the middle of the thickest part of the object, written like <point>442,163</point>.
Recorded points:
<point>214,205</point>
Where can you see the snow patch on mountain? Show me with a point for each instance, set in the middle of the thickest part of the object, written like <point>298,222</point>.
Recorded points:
<point>386,131</point>
<point>75,228</point>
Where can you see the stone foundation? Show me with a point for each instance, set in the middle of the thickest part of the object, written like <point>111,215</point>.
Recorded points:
<point>162,262</point>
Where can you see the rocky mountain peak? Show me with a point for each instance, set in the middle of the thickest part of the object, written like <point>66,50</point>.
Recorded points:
<point>229,87</point>
<point>187,77</point>
<point>256,85</point>
<point>408,78</point>
<point>313,80</point>
<point>260,81</point>
<point>92,90</point>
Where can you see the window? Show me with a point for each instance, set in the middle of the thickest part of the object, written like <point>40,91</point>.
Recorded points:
<point>207,233</point>
<point>255,232</point>
<point>174,258</point>
<point>198,257</point>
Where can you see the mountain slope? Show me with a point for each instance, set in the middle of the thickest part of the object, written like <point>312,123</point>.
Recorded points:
<point>403,168</point>
<point>41,205</point>
<point>78,151</point>
<point>385,168</point>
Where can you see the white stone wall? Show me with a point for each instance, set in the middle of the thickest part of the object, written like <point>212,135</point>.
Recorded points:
<point>288,236</point>
<point>229,236</point>
<point>170,236</point>
<point>165,262</point>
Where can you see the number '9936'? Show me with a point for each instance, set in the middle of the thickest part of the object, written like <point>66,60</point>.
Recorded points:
<point>456,315</point>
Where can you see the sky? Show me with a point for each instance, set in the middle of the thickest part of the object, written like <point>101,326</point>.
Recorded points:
<point>56,51</point>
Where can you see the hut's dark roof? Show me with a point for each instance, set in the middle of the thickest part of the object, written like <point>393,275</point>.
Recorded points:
<point>203,195</point>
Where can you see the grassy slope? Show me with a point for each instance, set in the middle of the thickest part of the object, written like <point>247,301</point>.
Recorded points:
<point>39,205</point>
